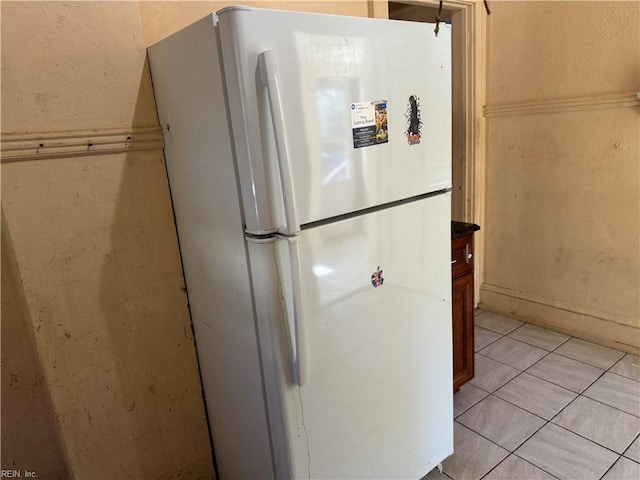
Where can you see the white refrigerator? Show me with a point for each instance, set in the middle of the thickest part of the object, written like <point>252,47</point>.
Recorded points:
<point>309,161</point>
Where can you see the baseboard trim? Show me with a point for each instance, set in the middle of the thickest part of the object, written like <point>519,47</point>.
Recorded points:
<point>602,328</point>
<point>21,147</point>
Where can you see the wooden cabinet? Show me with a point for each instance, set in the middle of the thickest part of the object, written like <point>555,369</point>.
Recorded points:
<point>462,276</point>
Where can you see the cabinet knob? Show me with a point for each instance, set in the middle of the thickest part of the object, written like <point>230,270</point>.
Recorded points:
<point>470,256</point>
<point>453,261</point>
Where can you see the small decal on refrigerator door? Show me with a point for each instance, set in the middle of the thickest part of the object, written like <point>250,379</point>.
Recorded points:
<point>413,120</point>
<point>376,278</point>
<point>369,123</point>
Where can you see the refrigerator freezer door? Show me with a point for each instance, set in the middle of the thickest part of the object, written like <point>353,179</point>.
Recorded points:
<point>365,112</point>
<point>377,310</point>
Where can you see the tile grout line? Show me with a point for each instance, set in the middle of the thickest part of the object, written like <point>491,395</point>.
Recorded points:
<point>490,343</point>
<point>492,394</point>
<point>591,441</point>
<point>584,363</point>
<point>603,403</point>
<point>610,467</point>
<point>480,435</point>
<point>519,341</point>
<point>513,378</point>
<point>552,383</point>
<point>578,394</point>
<point>517,456</point>
<point>612,373</point>
<point>525,460</point>
<point>619,374</point>
<point>549,351</point>
<point>500,333</point>
<point>582,436</point>
<point>514,405</point>
<point>510,452</point>
<point>553,349</point>
<point>546,422</point>
<point>502,363</point>
<point>622,376</point>
<point>632,441</point>
<point>558,346</point>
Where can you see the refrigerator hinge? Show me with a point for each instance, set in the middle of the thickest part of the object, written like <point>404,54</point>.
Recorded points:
<point>259,238</point>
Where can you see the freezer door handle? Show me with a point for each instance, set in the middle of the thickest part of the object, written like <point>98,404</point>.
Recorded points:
<point>268,68</point>
<point>299,334</point>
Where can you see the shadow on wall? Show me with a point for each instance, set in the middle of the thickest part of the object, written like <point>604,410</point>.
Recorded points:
<point>28,420</point>
<point>143,298</point>
<point>99,373</point>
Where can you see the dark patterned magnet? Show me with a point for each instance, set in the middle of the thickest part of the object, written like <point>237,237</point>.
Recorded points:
<point>414,123</point>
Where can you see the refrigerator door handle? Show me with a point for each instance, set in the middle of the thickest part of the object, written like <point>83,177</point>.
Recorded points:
<point>268,67</point>
<point>301,359</point>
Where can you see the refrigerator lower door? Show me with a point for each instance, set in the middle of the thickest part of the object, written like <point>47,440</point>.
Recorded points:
<point>377,402</point>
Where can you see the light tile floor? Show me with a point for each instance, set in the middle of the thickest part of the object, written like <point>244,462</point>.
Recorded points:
<point>544,405</point>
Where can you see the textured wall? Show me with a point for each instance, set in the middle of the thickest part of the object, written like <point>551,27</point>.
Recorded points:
<point>563,167</point>
<point>73,65</point>
<point>28,421</point>
<point>99,374</point>
<point>160,19</point>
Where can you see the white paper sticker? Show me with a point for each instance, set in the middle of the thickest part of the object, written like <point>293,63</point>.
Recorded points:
<point>369,123</point>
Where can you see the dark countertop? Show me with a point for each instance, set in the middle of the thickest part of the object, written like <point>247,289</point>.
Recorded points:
<point>460,229</point>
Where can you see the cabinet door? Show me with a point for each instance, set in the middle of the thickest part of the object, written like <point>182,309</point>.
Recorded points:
<point>462,300</point>
<point>462,256</point>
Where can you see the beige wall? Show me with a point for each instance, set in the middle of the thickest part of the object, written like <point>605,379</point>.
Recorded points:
<point>562,167</point>
<point>28,422</point>
<point>99,374</point>
<point>105,354</point>
<point>160,19</point>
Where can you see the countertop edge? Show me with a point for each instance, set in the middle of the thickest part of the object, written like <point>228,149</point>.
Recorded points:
<point>460,229</point>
